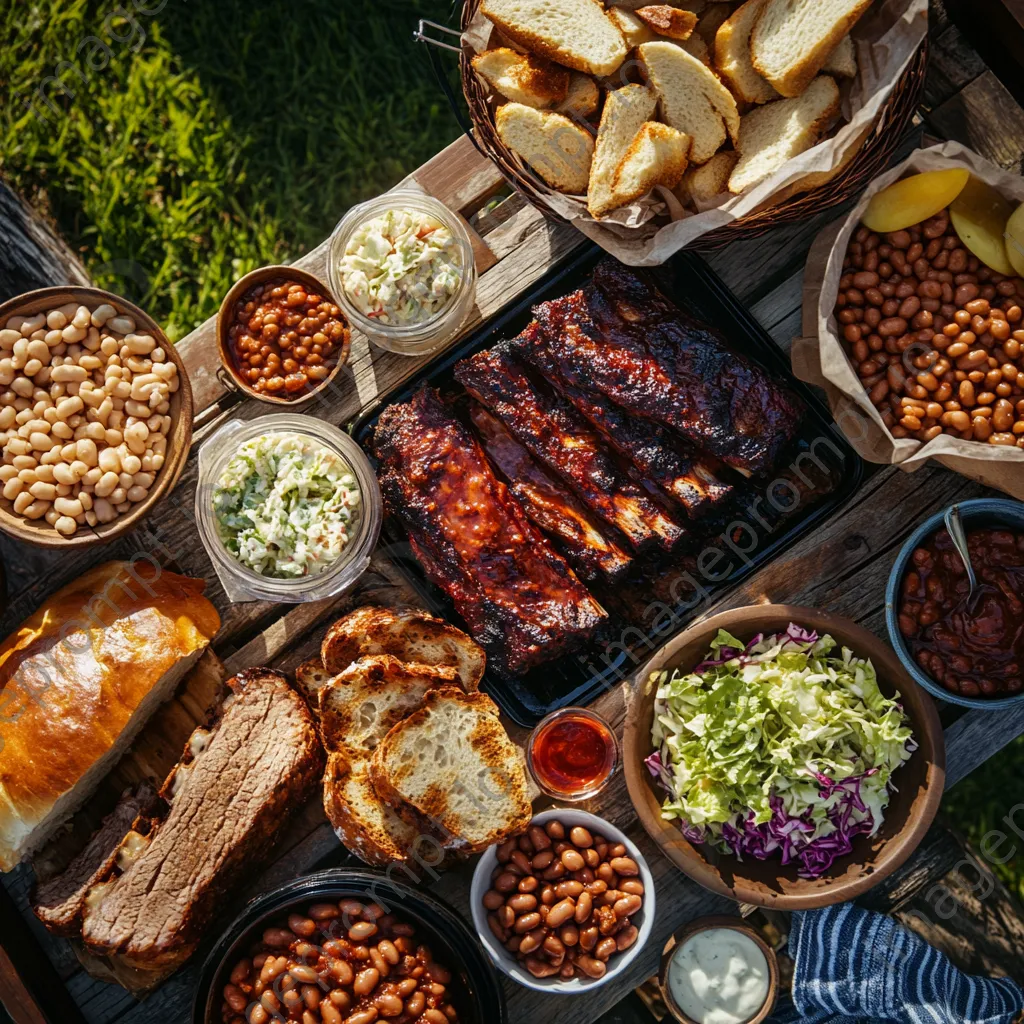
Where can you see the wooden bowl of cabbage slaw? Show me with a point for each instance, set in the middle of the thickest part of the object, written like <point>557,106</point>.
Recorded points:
<point>768,883</point>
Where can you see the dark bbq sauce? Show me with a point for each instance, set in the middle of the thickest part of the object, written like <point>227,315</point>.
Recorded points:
<point>975,650</point>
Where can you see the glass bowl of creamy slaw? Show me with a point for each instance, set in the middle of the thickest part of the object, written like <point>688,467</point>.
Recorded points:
<point>288,508</point>
<point>401,266</point>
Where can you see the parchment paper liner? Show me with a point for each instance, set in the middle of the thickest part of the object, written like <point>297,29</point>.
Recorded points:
<point>820,356</point>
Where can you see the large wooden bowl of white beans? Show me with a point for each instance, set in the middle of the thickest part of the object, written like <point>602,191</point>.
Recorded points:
<point>95,416</point>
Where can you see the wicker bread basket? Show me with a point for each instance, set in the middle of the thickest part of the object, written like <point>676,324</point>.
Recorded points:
<point>876,150</point>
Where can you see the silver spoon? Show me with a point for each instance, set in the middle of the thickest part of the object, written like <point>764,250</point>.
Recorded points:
<point>955,526</point>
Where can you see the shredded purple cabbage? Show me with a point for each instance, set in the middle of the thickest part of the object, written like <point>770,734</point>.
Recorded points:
<point>800,635</point>
<point>727,654</point>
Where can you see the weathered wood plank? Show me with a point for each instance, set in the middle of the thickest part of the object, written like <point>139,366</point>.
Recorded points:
<point>985,117</point>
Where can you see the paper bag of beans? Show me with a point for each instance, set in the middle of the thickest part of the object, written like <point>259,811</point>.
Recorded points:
<point>917,342</point>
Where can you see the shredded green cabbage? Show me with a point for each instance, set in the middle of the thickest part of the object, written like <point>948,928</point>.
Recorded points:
<point>778,745</point>
<point>286,506</point>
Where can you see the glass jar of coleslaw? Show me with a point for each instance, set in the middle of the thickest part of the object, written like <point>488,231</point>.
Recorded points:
<point>287,507</point>
<point>401,267</point>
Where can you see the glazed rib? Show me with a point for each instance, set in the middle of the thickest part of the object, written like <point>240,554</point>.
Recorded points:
<point>549,504</point>
<point>519,598</point>
<point>561,439</point>
<point>692,482</point>
<point>624,339</point>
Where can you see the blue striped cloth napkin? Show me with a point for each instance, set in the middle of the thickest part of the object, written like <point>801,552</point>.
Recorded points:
<point>854,966</point>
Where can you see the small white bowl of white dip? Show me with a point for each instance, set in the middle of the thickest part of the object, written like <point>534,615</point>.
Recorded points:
<point>719,970</point>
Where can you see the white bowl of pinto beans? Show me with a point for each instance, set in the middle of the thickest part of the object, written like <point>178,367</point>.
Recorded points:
<point>566,906</point>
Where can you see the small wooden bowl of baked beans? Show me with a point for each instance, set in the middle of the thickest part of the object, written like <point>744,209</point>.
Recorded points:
<point>281,336</point>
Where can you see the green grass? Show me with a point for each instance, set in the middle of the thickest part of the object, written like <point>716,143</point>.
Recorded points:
<point>222,135</point>
<point>978,804</point>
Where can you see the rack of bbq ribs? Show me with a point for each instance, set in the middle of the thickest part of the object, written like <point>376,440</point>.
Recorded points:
<point>612,426</point>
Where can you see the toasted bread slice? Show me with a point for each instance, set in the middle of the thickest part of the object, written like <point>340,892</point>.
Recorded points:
<point>634,31</point>
<point>557,149</point>
<point>732,56</point>
<point>668,21</point>
<point>411,636</point>
<point>792,39</point>
<point>842,60</point>
<point>310,678</point>
<point>363,822</point>
<point>626,110</point>
<point>701,185</point>
<point>576,33</point>
<point>452,764</point>
<point>709,22</point>
<point>523,78</point>
<point>692,99</point>
<point>583,97</point>
<point>657,156</point>
<point>361,705</point>
<point>777,132</point>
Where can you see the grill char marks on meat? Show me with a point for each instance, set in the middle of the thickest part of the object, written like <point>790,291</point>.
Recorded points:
<point>693,482</point>
<point>518,596</point>
<point>588,547</point>
<point>562,440</point>
<point>236,785</point>
<point>652,360</point>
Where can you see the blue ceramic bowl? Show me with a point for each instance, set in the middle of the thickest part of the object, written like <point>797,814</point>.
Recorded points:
<point>979,513</point>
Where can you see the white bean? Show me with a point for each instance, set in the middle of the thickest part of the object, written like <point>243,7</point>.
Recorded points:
<point>121,324</point>
<point>91,518</point>
<point>125,480</point>
<point>68,374</point>
<point>56,320</point>
<point>101,314</point>
<point>36,509</point>
<point>13,488</point>
<point>82,317</point>
<point>8,338</point>
<point>65,525</point>
<point>53,340</point>
<point>129,463</point>
<point>106,485</point>
<point>86,499</point>
<point>137,493</point>
<point>118,496</point>
<point>110,461</point>
<point>62,430</point>
<point>22,502</point>
<point>72,334</point>
<point>87,452</point>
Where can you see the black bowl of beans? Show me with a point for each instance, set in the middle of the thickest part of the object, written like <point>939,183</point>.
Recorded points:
<point>969,651</point>
<point>281,336</point>
<point>348,947</point>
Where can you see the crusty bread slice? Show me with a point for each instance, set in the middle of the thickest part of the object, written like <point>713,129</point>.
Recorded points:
<point>361,705</point>
<point>523,78</point>
<point>701,185</point>
<point>732,56</point>
<point>363,822</point>
<point>576,33</point>
<point>777,132</point>
<point>692,99</point>
<point>358,708</point>
<point>696,47</point>
<point>709,22</point>
<point>792,39</point>
<point>668,21</point>
<point>557,149</point>
<point>411,636</point>
<point>657,156</point>
<point>452,764</point>
<point>310,678</point>
<point>583,97</point>
<point>633,30</point>
<point>625,112</point>
<point>842,60</point>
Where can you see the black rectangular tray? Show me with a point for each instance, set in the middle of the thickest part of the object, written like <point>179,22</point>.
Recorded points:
<point>690,283</point>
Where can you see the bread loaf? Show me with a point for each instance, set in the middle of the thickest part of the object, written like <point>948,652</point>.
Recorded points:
<point>79,679</point>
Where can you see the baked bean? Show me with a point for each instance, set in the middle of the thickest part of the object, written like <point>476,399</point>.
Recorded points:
<point>624,866</point>
<point>572,859</point>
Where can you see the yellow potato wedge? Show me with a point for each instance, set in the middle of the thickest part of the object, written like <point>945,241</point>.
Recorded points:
<point>1015,240</point>
<point>979,215</point>
<point>914,199</point>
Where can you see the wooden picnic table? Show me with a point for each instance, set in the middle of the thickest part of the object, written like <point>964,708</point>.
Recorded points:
<point>842,566</point>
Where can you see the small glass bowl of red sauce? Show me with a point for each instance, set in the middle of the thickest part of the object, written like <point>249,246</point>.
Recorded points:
<point>572,754</point>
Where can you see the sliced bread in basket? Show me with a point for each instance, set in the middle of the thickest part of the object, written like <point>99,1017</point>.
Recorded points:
<point>792,39</point>
<point>626,110</point>
<point>522,78</point>
<point>576,33</point>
